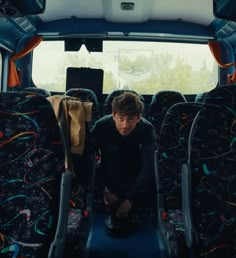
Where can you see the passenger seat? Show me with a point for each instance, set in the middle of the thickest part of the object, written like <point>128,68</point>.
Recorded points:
<point>35,187</point>
<point>81,155</point>
<point>171,155</point>
<point>209,183</point>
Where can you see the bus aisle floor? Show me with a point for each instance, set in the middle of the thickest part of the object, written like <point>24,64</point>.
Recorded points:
<point>140,244</point>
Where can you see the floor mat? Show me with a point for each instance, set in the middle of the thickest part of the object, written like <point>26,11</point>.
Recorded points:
<point>141,244</point>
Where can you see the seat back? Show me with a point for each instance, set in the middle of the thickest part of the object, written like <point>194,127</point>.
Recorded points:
<point>173,152</point>
<point>160,103</point>
<point>73,116</point>
<point>211,182</point>
<point>107,107</point>
<point>32,165</point>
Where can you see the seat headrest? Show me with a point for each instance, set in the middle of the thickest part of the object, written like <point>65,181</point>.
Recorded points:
<point>83,94</point>
<point>223,96</point>
<point>165,99</point>
<point>88,96</point>
<point>160,103</point>
<point>43,92</point>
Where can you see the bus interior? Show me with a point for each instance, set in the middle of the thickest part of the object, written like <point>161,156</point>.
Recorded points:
<point>179,58</point>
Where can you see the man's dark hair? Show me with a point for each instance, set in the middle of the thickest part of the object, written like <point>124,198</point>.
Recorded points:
<point>128,104</point>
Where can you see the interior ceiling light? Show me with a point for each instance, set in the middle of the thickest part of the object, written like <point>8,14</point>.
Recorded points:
<point>127,6</point>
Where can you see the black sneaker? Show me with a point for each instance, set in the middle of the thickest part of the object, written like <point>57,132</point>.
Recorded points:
<point>112,226</point>
<point>109,223</point>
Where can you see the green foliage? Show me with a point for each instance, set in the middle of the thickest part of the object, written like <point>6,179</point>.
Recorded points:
<point>167,73</point>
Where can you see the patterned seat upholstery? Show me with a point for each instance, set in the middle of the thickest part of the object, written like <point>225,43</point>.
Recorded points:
<point>32,166</point>
<point>159,105</point>
<point>107,107</point>
<point>87,95</point>
<point>210,198</point>
<point>171,154</point>
<point>172,150</point>
<point>205,225</point>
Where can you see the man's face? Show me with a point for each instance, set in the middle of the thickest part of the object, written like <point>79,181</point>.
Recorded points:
<point>125,124</point>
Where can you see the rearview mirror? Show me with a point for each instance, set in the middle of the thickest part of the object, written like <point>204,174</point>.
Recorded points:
<point>225,9</point>
<point>92,45</point>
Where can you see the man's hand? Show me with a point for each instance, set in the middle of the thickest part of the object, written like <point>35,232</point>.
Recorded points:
<point>124,209</point>
<point>110,198</point>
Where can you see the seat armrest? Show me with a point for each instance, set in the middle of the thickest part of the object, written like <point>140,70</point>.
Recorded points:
<point>57,245</point>
<point>156,171</point>
<point>190,232</point>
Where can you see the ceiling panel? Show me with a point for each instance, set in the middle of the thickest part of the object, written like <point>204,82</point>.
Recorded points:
<point>198,11</point>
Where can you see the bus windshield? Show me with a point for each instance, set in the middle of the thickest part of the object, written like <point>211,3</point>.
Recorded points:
<point>146,67</point>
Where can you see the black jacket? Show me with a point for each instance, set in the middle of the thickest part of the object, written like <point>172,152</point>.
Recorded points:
<point>127,161</point>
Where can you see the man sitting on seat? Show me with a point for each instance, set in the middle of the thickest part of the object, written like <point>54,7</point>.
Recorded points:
<point>127,143</point>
